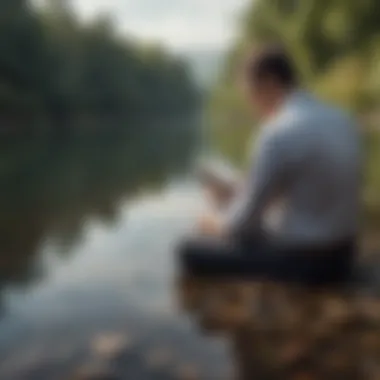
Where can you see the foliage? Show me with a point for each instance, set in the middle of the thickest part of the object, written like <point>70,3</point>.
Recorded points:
<point>56,69</point>
<point>335,45</point>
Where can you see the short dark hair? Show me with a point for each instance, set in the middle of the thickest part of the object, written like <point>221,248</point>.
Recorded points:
<point>272,61</point>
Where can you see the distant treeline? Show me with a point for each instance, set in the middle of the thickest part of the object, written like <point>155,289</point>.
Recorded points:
<point>58,72</point>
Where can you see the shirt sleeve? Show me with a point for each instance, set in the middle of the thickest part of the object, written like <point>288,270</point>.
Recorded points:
<point>264,180</point>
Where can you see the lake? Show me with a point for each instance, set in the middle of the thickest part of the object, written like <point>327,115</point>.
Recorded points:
<point>89,286</point>
<point>89,227</point>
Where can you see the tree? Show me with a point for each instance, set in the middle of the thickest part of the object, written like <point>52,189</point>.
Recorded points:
<point>53,66</point>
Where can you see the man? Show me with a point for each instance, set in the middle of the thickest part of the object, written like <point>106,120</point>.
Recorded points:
<point>296,217</point>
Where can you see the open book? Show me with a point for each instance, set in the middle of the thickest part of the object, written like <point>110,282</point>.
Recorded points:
<point>218,175</point>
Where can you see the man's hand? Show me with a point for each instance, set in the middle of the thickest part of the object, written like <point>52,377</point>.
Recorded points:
<point>211,225</point>
<point>219,189</point>
<point>218,194</point>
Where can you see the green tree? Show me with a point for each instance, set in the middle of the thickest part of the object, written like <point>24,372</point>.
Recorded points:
<point>57,69</point>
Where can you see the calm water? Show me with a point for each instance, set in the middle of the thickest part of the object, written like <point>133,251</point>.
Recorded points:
<point>87,244</point>
<point>88,231</point>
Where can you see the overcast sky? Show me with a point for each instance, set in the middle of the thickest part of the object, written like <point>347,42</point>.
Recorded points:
<point>179,24</point>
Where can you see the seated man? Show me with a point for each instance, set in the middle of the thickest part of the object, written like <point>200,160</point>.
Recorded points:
<point>296,216</point>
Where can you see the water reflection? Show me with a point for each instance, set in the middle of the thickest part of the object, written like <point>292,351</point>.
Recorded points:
<point>49,191</point>
<point>88,230</point>
<point>87,233</point>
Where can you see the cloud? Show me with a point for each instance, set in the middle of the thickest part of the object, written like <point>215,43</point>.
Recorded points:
<point>180,24</point>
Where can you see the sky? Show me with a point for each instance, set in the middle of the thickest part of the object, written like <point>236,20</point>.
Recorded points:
<point>181,25</point>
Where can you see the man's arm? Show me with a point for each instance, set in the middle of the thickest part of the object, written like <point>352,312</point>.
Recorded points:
<point>264,181</point>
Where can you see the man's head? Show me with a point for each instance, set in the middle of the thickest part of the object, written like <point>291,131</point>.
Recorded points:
<point>269,76</point>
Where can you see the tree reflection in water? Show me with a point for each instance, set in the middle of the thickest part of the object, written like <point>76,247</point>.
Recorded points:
<point>50,190</point>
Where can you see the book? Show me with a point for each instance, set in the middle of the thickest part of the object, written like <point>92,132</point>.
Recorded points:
<point>218,175</point>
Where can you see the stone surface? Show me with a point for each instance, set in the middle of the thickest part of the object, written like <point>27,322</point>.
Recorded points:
<point>285,332</point>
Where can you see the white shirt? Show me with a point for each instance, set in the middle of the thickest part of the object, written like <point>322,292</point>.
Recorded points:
<point>305,177</point>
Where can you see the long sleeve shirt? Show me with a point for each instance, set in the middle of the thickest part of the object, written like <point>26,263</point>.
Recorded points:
<point>303,186</point>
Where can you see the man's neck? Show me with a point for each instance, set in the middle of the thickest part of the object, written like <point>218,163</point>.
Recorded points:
<point>285,97</point>
<point>282,98</point>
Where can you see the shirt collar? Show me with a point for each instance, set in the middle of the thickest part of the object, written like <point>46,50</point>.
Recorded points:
<point>296,97</point>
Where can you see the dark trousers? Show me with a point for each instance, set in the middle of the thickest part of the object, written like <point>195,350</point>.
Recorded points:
<point>261,260</point>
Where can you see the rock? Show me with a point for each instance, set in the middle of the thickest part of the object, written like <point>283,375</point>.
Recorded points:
<point>95,371</point>
<point>109,346</point>
<point>159,358</point>
<point>186,372</point>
